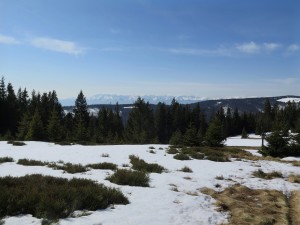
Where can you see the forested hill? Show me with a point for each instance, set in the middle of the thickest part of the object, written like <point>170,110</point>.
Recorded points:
<point>250,105</point>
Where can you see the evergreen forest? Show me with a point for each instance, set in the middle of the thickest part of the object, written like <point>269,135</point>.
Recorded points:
<point>34,116</point>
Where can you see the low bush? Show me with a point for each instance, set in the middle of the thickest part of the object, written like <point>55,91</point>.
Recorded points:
<point>186,170</point>
<point>216,154</point>
<point>31,162</point>
<point>69,167</point>
<point>53,198</point>
<point>103,166</point>
<point>197,155</point>
<point>16,143</point>
<point>63,143</point>
<point>6,159</point>
<point>151,147</point>
<point>181,156</point>
<point>172,150</point>
<point>130,177</point>
<point>141,165</point>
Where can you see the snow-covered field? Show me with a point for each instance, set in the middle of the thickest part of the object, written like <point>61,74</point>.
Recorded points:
<point>157,204</point>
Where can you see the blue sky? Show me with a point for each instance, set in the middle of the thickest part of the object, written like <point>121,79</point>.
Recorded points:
<point>207,48</point>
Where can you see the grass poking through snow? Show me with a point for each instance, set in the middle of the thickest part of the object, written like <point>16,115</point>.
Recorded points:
<point>248,206</point>
<point>261,174</point>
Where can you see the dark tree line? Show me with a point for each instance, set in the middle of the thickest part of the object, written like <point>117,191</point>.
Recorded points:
<point>40,117</point>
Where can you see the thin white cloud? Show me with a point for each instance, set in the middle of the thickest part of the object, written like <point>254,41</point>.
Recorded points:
<point>249,48</point>
<point>201,52</point>
<point>286,81</point>
<point>270,47</point>
<point>293,48</point>
<point>56,45</point>
<point>8,40</point>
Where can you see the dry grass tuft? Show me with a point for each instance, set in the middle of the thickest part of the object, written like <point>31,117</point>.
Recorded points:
<point>295,208</point>
<point>296,163</point>
<point>294,178</point>
<point>248,206</point>
<point>260,174</point>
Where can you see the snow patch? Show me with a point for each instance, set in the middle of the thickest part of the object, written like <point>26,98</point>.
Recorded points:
<point>286,100</point>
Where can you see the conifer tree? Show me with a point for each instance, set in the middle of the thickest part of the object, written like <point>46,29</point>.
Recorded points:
<point>3,107</point>
<point>54,128</point>
<point>191,138</point>
<point>214,136</point>
<point>36,128</point>
<point>23,127</point>
<point>12,110</point>
<point>81,118</point>
<point>161,123</point>
<point>140,125</point>
<point>176,138</point>
<point>244,133</point>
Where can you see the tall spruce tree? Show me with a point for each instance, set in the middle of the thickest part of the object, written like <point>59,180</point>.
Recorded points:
<point>140,125</point>
<point>81,118</point>
<point>54,128</point>
<point>36,128</point>
<point>12,114</point>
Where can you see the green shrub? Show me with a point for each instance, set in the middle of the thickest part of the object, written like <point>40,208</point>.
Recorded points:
<point>63,143</point>
<point>6,159</point>
<point>186,170</point>
<point>151,147</point>
<point>215,154</point>
<point>103,166</point>
<point>152,151</point>
<point>130,177</point>
<point>172,150</point>
<point>197,155</point>
<point>31,162</point>
<point>181,156</point>
<point>48,222</point>
<point>69,167</point>
<point>53,198</point>
<point>16,143</point>
<point>141,165</point>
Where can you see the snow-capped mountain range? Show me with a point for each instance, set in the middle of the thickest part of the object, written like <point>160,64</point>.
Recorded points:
<point>129,99</point>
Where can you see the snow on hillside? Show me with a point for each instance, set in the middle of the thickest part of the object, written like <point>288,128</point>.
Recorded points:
<point>286,100</point>
<point>129,99</point>
<point>158,204</point>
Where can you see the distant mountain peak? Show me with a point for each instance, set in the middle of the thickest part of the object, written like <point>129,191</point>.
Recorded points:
<point>130,99</point>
